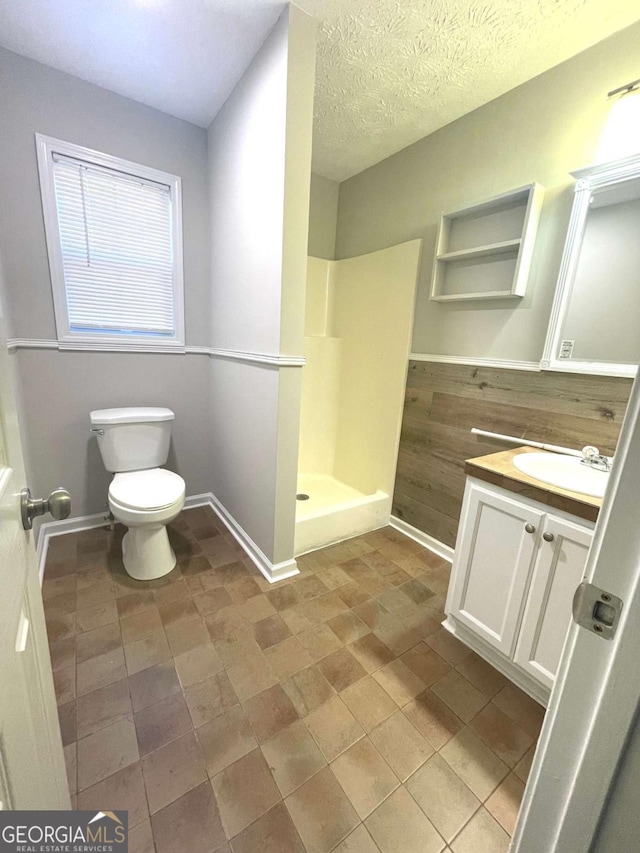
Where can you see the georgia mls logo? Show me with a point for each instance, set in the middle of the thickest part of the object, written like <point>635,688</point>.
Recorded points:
<point>64,832</point>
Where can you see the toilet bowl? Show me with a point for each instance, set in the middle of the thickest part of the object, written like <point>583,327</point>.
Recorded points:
<point>145,502</point>
<point>134,443</point>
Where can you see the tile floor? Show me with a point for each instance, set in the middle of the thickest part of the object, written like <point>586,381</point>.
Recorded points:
<point>330,712</point>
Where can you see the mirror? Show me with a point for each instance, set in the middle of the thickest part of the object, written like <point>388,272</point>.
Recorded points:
<point>594,320</point>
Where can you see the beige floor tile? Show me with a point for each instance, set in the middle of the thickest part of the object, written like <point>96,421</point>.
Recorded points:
<point>96,617</point>
<point>225,739</point>
<point>105,752</point>
<point>475,763</point>
<point>186,635</point>
<point>460,695</point>
<point>319,641</point>
<point>443,797</point>
<point>63,653</point>
<point>296,621</point>
<point>448,647</point>
<point>269,712</point>
<point>426,664</point>
<point>270,631</point>
<point>307,689</point>
<point>71,763</point>
<point>368,702</point>
<point>252,675</point>
<point>358,842</point>
<point>161,723</point>
<point>365,777</point>
<point>198,664</point>
<point>482,834</point>
<point>399,681</point>
<point>353,594</point>
<point>122,790</point>
<point>242,590</point>
<point>141,625</point>
<point>274,832</point>
<point>103,708</point>
<point>173,770</point>
<point>64,682</point>
<point>93,643</point>
<point>256,608</point>
<point>372,613</point>
<point>395,634</point>
<point>522,709</point>
<point>212,600</point>
<point>504,803</point>
<point>209,698</point>
<point>482,675</point>
<point>501,734</point>
<point>312,803</point>
<point>141,838</point>
<point>401,745</point>
<point>400,825</point>
<point>371,652</point>
<point>341,669</point>
<point>348,627</point>
<point>147,652</point>
<point>293,757</point>
<point>245,791</point>
<point>334,577</point>
<point>333,727</point>
<point>435,720</point>
<point>323,608</point>
<point>190,823</point>
<point>135,602</point>
<point>523,767</point>
<point>288,657</point>
<point>153,684</point>
<point>100,671</point>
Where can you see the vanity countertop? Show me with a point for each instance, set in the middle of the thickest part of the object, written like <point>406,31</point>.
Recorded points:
<point>498,468</point>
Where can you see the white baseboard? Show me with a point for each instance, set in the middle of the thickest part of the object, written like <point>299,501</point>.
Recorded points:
<point>272,571</point>
<point>430,542</point>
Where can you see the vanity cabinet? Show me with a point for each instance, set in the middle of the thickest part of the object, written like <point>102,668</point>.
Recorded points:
<point>516,567</point>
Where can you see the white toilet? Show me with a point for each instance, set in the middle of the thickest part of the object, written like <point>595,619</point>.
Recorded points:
<point>144,497</point>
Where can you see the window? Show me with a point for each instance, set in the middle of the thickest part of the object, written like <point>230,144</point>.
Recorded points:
<point>114,236</point>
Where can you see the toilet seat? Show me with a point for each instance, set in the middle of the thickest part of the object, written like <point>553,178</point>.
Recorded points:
<point>148,490</point>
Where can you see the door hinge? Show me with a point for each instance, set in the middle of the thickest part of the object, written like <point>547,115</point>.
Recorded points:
<point>596,610</point>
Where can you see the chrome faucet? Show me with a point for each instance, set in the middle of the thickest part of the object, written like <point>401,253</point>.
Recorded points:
<point>592,457</point>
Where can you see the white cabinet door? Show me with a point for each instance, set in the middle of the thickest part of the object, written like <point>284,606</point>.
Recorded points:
<point>492,565</point>
<point>557,572</point>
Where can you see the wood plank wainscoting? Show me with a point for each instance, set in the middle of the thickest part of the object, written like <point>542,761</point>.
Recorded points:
<point>443,402</point>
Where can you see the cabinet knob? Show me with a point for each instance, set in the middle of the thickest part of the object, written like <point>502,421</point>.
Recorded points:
<point>548,537</point>
<point>530,528</point>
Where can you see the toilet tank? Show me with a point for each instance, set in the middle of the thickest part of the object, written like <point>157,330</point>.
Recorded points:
<point>133,439</point>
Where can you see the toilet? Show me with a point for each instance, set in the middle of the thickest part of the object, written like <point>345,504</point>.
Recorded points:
<point>134,443</point>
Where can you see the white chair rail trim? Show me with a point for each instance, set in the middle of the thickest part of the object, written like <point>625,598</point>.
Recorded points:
<point>264,358</point>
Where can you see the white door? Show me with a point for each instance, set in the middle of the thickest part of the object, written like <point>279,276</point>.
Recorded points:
<point>595,700</point>
<point>32,768</point>
<point>558,570</point>
<point>492,565</point>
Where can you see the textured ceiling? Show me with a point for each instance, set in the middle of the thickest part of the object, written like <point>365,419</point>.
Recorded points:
<point>392,71</point>
<point>389,71</point>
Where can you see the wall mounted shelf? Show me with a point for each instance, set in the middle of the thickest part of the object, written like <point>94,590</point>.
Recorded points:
<point>484,251</point>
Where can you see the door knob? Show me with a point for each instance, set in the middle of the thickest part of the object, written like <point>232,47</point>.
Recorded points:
<point>58,504</point>
<point>548,537</point>
<point>530,528</point>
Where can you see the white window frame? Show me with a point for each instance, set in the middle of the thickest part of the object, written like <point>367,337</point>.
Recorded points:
<point>46,147</point>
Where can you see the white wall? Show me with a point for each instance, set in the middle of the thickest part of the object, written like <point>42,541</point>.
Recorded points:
<point>539,131</point>
<point>60,389</point>
<point>259,172</point>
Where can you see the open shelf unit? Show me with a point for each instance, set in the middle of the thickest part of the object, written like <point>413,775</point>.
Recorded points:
<point>484,251</point>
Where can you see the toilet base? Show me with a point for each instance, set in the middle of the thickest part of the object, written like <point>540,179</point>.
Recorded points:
<point>146,552</point>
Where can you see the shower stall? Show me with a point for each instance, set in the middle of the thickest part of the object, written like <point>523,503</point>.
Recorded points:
<point>358,324</point>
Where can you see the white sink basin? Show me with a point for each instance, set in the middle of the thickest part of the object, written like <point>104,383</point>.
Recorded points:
<point>567,472</point>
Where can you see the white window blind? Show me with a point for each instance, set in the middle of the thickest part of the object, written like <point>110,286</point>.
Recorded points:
<point>116,242</point>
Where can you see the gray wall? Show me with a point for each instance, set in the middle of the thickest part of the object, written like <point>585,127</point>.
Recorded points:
<point>259,167</point>
<point>537,132</point>
<point>323,217</point>
<point>60,389</point>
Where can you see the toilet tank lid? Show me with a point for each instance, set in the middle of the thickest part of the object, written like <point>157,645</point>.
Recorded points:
<point>137,415</point>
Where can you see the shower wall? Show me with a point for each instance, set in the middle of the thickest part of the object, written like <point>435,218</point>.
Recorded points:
<point>358,325</point>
